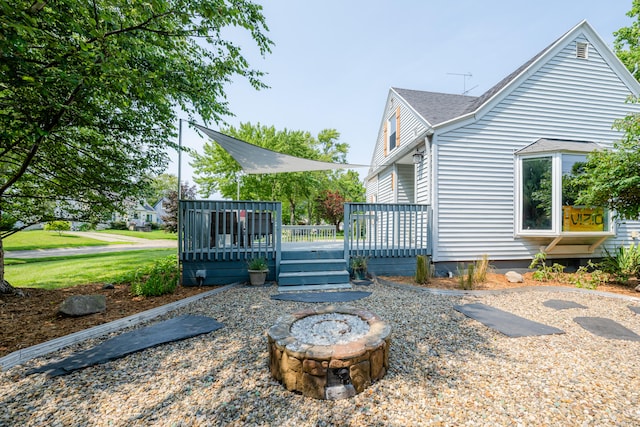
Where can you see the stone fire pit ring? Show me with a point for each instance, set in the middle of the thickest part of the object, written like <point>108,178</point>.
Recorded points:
<point>329,352</point>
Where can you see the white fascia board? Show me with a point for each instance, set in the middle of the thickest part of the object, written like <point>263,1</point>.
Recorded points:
<point>375,169</point>
<point>612,59</point>
<point>582,28</point>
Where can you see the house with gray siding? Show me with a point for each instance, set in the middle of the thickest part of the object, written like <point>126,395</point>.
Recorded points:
<point>496,168</point>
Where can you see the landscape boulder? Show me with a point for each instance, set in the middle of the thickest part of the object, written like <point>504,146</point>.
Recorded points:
<point>514,277</point>
<point>81,305</point>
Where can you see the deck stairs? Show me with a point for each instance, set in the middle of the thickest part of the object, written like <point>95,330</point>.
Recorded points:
<point>313,270</point>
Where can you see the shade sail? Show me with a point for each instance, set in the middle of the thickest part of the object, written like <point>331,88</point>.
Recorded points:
<point>257,160</point>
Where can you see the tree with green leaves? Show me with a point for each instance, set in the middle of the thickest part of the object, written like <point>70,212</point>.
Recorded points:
<point>611,177</point>
<point>89,94</point>
<point>160,186</point>
<point>217,171</point>
<point>170,217</point>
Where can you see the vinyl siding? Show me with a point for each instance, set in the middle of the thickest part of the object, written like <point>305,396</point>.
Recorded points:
<point>406,183</point>
<point>567,98</point>
<point>385,191</point>
<point>423,178</point>
<point>410,127</point>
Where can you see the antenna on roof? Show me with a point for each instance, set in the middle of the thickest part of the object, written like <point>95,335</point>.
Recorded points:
<point>464,81</point>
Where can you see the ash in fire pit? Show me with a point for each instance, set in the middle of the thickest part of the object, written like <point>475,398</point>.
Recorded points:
<point>329,352</point>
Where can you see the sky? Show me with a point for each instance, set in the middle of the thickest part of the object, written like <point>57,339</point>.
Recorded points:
<point>334,61</point>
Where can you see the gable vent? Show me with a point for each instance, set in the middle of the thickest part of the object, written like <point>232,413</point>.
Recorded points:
<point>582,50</point>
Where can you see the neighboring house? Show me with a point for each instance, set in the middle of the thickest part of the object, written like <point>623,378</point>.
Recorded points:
<point>493,167</point>
<point>139,215</point>
<point>159,207</point>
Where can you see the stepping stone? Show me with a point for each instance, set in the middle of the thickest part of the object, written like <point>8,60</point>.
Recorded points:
<point>505,322</point>
<point>322,296</point>
<point>635,309</point>
<point>606,328</point>
<point>559,304</point>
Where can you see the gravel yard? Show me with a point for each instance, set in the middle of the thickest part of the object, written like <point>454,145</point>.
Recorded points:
<point>445,369</point>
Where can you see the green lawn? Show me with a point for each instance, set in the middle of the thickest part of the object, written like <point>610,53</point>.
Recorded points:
<point>151,235</point>
<point>39,239</point>
<point>62,272</point>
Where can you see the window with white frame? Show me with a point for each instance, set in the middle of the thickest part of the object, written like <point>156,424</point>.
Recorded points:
<point>547,194</point>
<point>392,133</point>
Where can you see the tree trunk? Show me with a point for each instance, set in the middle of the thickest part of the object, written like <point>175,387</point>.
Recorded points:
<point>292,213</point>
<point>5,287</point>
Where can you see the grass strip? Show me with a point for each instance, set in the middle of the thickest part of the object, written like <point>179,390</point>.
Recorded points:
<point>67,271</point>
<point>39,239</point>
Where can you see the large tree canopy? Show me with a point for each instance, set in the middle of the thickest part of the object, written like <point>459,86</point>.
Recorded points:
<point>612,177</point>
<point>89,92</point>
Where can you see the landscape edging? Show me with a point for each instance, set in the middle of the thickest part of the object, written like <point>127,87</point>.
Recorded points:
<point>25,354</point>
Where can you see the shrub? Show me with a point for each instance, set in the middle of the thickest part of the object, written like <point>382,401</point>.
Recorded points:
<point>159,279</point>
<point>58,226</point>
<point>358,262</point>
<point>87,227</point>
<point>466,280</point>
<point>423,273</point>
<point>118,225</point>
<point>258,264</point>
<point>623,264</point>
<point>583,279</point>
<point>476,273</point>
<point>481,269</point>
<point>543,272</point>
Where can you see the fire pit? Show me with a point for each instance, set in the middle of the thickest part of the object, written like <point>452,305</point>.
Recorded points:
<point>329,352</point>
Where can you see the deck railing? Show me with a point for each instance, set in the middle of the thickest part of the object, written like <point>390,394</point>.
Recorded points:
<point>308,233</point>
<point>229,230</point>
<point>381,230</point>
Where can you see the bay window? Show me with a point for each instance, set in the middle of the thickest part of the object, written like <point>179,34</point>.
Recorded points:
<point>547,190</point>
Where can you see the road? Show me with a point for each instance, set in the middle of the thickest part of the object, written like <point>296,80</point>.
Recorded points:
<point>129,244</point>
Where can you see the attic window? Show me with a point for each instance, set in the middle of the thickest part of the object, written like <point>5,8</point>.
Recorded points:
<point>582,50</point>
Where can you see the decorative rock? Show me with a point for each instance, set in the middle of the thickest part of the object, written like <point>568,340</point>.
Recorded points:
<point>514,277</point>
<point>82,305</point>
<point>108,286</point>
<point>355,354</point>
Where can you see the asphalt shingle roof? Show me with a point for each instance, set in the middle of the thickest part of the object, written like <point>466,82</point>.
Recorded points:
<point>438,107</point>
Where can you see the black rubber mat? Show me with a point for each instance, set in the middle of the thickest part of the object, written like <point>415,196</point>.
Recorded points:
<point>606,328</point>
<point>560,304</point>
<point>322,296</point>
<point>505,322</point>
<point>163,332</point>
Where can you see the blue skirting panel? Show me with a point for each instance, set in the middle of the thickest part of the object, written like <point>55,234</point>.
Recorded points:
<point>392,266</point>
<point>220,272</point>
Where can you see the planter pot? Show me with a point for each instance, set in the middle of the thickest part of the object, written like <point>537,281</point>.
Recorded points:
<point>359,274</point>
<point>257,277</point>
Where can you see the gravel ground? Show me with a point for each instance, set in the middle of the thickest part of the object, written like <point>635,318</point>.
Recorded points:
<point>445,370</point>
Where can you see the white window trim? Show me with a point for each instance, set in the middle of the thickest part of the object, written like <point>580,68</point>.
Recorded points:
<point>556,201</point>
<point>392,119</point>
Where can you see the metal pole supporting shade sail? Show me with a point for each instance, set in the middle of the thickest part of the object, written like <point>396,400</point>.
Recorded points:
<point>257,160</point>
